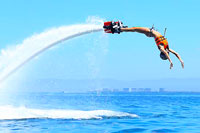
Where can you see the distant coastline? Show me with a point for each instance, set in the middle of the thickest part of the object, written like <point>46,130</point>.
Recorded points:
<point>110,85</point>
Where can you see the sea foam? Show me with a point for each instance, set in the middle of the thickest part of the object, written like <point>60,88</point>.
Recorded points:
<point>11,113</point>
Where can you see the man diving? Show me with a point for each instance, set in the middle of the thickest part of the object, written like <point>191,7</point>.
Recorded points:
<point>161,41</point>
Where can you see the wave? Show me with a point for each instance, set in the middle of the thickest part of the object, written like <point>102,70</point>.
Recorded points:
<point>132,130</point>
<point>13,113</point>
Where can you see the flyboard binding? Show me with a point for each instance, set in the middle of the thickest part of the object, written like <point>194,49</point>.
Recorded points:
<point>113,27</point>
<point>153,28</point>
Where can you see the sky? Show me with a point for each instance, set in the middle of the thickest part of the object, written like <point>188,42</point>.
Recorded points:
<point>127,56</point>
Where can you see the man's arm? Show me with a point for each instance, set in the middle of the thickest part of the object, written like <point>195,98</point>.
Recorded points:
<point>178,56</point>
<point>167,55</point>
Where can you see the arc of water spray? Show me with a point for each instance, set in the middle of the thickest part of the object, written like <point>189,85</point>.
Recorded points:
<point>93,28</point>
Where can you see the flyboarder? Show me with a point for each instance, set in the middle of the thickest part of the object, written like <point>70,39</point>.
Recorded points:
<point>161,41</point>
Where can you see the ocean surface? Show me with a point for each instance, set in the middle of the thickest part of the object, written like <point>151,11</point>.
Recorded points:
<point>100,112</point>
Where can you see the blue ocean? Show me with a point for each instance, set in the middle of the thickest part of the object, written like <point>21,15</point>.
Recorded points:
<point>101,112</point>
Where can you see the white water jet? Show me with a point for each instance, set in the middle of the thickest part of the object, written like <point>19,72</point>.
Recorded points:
<point>13,59</point>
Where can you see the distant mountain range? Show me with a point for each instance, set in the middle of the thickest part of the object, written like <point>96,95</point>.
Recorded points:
<point>74,85</point>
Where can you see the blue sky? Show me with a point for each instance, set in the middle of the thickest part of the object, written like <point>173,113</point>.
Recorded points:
<point>129,56</point>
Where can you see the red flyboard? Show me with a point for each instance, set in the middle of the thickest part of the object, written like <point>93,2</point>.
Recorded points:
<point>108,26</point>
<point>113,27</point>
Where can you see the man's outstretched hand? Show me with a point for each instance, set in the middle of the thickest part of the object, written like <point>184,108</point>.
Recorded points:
<point>182,64</point>
<point>171,65</point>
